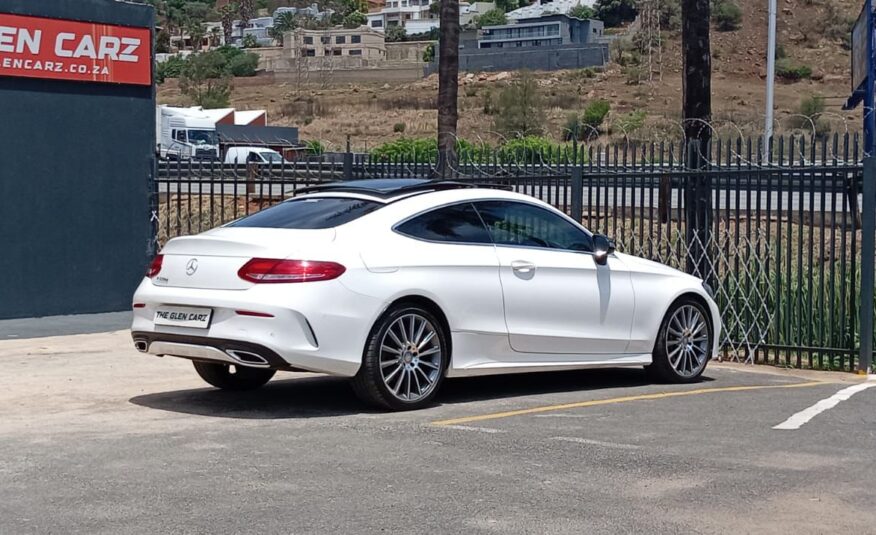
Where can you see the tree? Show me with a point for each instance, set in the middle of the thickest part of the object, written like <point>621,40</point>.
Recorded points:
<point>582,12</point>
<point>448,87</point>
<point>520,108</point>
<point>355,19</point>
<point>205,81</point>
<point>728,15</point>
<point>196,34</point>
<point>396,33</point>
<point>697,117</point>
<point>285,22</point>
<point>508,5</point>
<point>493,17</point>
<point>227,10</point>
<point>250,41</point>
<point>247,11</point>
<point>615,12</point>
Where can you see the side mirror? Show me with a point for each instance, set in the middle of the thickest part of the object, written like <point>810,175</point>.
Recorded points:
<point>602,247</point>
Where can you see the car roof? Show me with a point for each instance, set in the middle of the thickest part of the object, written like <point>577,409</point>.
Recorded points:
<point>391,189</point>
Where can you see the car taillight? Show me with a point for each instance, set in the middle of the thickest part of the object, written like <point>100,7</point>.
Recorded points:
<point>269,270</point>
<point>155,266</point>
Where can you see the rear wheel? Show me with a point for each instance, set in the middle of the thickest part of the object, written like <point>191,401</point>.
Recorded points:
<point>404,360</point>
<point>231,377</point>
<point>683,343</point>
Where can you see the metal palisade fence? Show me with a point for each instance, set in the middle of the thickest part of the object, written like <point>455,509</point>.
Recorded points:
<point>775,232</point>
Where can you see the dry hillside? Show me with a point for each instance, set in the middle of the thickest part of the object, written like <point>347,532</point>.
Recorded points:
<point>811,33</point>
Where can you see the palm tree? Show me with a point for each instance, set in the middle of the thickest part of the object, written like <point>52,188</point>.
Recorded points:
<point>448,86</point>
<point>227,10</point>
<point>247,11</point>
<point>285,22</point>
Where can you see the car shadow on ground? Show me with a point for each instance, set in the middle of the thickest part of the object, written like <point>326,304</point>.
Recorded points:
<point>321,396</point>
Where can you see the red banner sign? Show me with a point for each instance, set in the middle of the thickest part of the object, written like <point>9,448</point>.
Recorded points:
<point>37,47</point>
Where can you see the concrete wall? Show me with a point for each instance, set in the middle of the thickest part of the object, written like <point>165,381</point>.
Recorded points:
<point>535,58</point>
<point>75,180</point>
<point>411,51</point>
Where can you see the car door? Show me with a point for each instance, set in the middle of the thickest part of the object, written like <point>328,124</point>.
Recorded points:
<point>557,299</point>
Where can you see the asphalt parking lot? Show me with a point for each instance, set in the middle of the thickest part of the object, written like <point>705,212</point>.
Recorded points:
<point>96,438</point>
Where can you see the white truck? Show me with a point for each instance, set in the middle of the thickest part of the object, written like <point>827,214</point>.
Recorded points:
<point>185,133</point>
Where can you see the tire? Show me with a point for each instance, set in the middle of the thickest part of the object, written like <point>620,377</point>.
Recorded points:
<point>684,343</point>
<point>404,361</point>
<point>228,377</point>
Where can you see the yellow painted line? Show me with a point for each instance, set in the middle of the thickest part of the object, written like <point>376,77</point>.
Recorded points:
<point>611,401</point>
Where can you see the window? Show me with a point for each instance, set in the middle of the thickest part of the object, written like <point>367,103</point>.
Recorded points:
<point>316,213</point>
<point>459,223</point>
<point>308,40</point>
<point>355,39</point>
<point>309,52</point>
<point>377,24</point>
<point>355,52</point>
<point>340,39</point>
<point>336,52</point>
<point>325,39</point>
<point>179,135</point>
<point>521,224</point>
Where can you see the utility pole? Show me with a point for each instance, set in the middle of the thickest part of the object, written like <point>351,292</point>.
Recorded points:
<point>770,77</point>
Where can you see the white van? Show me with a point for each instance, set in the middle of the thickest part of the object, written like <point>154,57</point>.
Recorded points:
<point>243,155</point>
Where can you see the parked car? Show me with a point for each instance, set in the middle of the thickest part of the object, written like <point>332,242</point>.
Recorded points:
<point>400,283</point>
<point>261,155</point>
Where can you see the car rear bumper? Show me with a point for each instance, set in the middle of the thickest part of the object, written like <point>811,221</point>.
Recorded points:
<point>325,331</point>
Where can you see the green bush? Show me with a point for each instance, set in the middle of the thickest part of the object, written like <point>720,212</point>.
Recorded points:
<point>394,34</point>
<point>520,110</point>
<point>399,127</point>
<point>582,12</point>
<point>170,68</point>
<point>355,19</point>
<point>493,17</point>
<point>249,41</point>
<point>429,53</point>
<point>243,65</point>
<point>595,113</point>
<point>315,147</point>
<point>787,70</point>
<point>572,128</point>
<point>630,122</point>
<point>615,12</point>
<point>726,15</point>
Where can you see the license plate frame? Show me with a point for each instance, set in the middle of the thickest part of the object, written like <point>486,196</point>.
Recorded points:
<point>183,316</point>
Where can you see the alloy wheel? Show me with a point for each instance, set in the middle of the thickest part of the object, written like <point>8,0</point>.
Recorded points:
<point>687,340</point>
<point>411,357</point>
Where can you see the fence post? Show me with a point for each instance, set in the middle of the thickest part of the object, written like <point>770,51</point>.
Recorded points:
<point>868,241</point>
<point>577,204</point>
<point>348,162</point>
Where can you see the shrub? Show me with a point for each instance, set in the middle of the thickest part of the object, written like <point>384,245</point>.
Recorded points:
<point>634,74</point>
<point>205,80</point>
<point>582,12</point>
<point>429,53</point>
<point>243,65</point>
<point>519,112</point>
<point>170,68</point>
<point>395,34</point>
<point>809,117</point>
<point>727,15</point>
<point>792,72</point>
<point>630,122</point>
<point>594,114</point>
<point>355,19</point>
<point>572,128</point>
<point>489,105</point>
<point>493,17</point>
<point>399,127</point>
<point>615,12</point>
<point>249,41</point>
<point>315,147</point>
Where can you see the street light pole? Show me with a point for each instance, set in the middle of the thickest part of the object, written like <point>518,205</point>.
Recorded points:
<point>771,76</point>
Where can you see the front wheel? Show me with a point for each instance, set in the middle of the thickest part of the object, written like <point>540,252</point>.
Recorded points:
<point>231,377</point>
<point>404,360</point>
<point>683,343</point>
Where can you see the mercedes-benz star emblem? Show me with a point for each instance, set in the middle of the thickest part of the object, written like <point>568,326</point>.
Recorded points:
<point>191,267</point>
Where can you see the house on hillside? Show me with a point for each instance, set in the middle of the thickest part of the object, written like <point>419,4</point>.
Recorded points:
<point>545,31</point>
<point>417,16</point>
<point>362,42</point>
<point>541,8</point>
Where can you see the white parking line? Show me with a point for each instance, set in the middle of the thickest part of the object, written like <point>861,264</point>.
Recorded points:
<point>591,442</point>
<point>469,428</point>
<point>797,420</point>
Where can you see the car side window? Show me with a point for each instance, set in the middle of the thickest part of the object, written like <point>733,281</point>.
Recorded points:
<point>459,223</point>
<point>522,224</point>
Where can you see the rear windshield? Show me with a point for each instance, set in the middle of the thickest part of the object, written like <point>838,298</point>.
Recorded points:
<point>315,213</point>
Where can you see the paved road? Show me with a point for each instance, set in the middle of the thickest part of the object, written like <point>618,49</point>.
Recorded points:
<point>96,438</point>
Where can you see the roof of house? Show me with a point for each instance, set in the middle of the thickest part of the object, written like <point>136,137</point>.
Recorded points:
<point>541,8</point>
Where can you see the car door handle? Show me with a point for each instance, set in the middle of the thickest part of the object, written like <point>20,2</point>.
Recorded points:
<point>522,266</point>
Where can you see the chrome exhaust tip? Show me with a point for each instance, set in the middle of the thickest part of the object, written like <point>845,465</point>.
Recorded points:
<point>141,345</point>
<point>247,357</point>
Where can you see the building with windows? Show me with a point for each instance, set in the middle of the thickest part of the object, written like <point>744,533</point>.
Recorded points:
<point>550,30</point>
<point>399,13</point>
<point>361,42</point>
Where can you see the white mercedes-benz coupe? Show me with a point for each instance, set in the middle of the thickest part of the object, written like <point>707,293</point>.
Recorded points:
<point>400,283</point>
